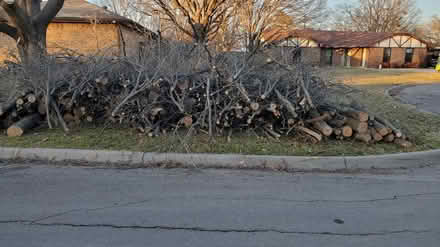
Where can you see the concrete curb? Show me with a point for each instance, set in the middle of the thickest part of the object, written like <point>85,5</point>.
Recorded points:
<point>230,161</point>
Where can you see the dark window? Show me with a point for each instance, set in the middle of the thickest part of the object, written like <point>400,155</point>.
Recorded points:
<point>386,55</point>
<point>409,53</point>
<point>327,56</point>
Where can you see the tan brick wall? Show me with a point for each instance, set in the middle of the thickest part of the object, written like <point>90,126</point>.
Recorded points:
<point>8,50</point>
<point>81,38</point>
<point>374,57</point>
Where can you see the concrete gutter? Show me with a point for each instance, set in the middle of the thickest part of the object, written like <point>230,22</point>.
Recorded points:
<point>229,161</point>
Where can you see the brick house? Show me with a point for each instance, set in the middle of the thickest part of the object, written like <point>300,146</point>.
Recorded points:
<point>85,28</point>
<point>354,49</point>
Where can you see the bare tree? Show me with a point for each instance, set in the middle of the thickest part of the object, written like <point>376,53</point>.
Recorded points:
<point>432,31</point>
<point>309,13</point>
<point>379,16</point>
<point>198,19</point>
<point>27,23</point>
<point>134,10</point>
<point>263,20</point>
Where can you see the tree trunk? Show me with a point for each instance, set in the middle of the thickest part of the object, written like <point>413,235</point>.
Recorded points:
<point>32,47</point>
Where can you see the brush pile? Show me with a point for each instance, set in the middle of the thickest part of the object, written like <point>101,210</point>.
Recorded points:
<point>211,100</point>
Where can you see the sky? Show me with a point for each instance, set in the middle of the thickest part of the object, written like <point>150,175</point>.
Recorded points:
<point>428,7</point>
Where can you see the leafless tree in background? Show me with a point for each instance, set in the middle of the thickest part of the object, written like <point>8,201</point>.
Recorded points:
<point>198,19</point>
<point>432,31</point>
<point>309,14</point>
<point>27,24</point>
<point>263,20</point>
<point>131,9</point>
<point>378,16</point>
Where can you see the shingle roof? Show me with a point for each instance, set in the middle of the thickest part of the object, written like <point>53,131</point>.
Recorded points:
<point>336,39</point>
<point>83,12</point>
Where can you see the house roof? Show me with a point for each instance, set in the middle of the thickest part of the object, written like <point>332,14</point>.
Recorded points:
<point>335,39</point>
<point>81,11</point>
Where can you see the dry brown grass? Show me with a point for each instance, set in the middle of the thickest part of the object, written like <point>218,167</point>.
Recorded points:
<point>359,76</point>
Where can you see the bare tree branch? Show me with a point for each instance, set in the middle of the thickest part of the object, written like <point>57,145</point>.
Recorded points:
<point>49,12</point>
<point>9,30</point>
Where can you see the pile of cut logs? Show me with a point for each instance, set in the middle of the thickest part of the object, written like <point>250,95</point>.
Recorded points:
<point>202,103</point>
<point>344,123</point>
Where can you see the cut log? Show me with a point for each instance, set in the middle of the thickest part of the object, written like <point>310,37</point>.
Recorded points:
<point>403,143</point>
<point>375,135</point>
<point>310,132</point>
<point>347,131</point>
<point>320,125</point>
<point>19,101</point>
<point>380,128</point>
<point>31,98</point>
<point>187,121</point>
<point>7,107</point>
<point>338,121</point>
<point>385,122</point>
<point>358,126</point>
<point>255,106</point>
<point>363,137</point>
<point>389,138</point>
<point>25,124</point>
<point>337,131</point>
<point>358,115</point>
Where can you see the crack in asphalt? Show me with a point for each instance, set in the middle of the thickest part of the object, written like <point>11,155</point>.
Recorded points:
<point>396,197</point>
<point>218,230</point>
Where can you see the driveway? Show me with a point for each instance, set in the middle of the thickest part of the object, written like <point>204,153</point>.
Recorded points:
<point>424,97</point>
<point>73,206</point>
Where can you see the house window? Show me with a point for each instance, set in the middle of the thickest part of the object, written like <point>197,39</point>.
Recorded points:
<point>409,54</point>
<point>386,55</point>
<point>327,56</point>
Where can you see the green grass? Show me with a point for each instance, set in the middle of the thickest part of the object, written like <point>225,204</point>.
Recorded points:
<point>128,139</point>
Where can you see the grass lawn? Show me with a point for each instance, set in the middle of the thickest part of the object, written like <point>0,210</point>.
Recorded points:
<point>422,128</point>
<point>360,76</point>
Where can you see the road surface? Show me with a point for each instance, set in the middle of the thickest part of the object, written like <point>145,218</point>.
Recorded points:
<point>62,206</point>
<point>424,97</point>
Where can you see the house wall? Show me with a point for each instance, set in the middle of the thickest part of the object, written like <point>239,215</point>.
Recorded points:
<point>338,54</point>
<point>420,57</point>
<point>374,57</point>
<point>82,38</point>
<point>397,57</point>
<point>132,41</point>
<point>8,50</point>
<point>356,57</point>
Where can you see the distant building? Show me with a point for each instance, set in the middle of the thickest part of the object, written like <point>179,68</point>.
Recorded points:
<point>352,49</point>
<point>85,28</point>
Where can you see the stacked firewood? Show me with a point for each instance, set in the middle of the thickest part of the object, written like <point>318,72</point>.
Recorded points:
<point>345,123</point>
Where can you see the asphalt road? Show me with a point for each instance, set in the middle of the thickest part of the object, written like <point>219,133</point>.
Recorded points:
<point>73,206</point>
<point>424,97</point>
